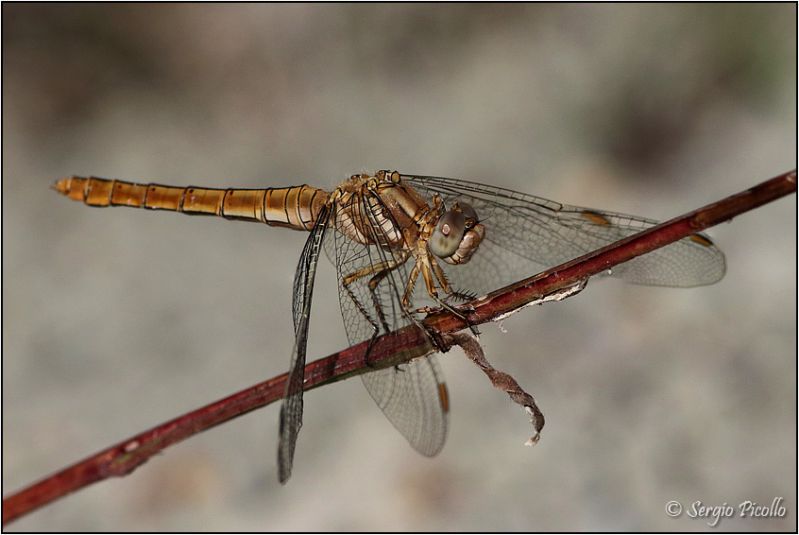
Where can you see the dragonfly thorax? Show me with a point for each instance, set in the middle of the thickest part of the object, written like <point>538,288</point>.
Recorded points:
<point>379,210</point>
<point>383,210</point>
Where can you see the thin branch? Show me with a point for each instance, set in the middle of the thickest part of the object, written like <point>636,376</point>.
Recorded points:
<point>388,350</point>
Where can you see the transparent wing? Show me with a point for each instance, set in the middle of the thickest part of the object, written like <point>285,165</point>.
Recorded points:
<point>291,406</point>
<point>522,229</point>
<point>413,396</point>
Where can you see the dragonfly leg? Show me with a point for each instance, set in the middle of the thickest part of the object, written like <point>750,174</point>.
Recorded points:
<point>444,282</point>
<point>409,286</point>
<point>372,323</point>
<point>440,275</point>
<point>445,285</point>
<point>378,272</point>
<point>373,282</point>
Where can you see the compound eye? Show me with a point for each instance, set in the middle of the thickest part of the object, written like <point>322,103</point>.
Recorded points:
<point>469,214</point>
<point>448,234</point>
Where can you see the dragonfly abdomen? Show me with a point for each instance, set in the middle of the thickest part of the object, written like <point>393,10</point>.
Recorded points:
<point>294,207</point>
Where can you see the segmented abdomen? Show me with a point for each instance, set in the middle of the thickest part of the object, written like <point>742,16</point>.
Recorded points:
<point>294,207</point>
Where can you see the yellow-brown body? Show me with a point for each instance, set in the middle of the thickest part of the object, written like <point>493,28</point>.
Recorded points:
<point>294,207</point>
<point>371,210</point>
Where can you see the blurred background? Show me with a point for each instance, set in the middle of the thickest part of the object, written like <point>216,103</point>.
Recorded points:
<point>116,320</point>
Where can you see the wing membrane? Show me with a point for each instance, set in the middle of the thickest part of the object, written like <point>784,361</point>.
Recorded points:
<point>522,228</point>
<point>413,397</point>
<point>291,406</point>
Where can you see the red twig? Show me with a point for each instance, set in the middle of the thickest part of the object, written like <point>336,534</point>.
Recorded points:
<point>393,348</point>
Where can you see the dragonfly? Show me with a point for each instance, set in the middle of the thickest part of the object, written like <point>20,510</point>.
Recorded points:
<point>405,244</point>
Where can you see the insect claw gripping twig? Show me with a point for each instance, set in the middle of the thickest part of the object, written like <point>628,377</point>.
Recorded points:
<point>464,296</point>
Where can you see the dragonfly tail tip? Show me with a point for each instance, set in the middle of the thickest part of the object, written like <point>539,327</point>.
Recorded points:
<point>62,185</point>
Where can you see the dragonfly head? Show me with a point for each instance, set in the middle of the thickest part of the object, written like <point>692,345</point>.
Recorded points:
<point>457,234</point>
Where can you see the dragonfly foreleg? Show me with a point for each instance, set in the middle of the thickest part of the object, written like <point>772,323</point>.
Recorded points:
<point>431,269</point>
<point>409,286</point>
<point>440,275</point>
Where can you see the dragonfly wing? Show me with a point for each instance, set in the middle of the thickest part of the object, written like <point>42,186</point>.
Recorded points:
<point>414,398</point>
<point>413,395</point>
<point>291,407</point>
<point>521,227</point>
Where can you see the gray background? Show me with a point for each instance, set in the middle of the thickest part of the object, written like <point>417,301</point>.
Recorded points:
<point>115,320</point>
